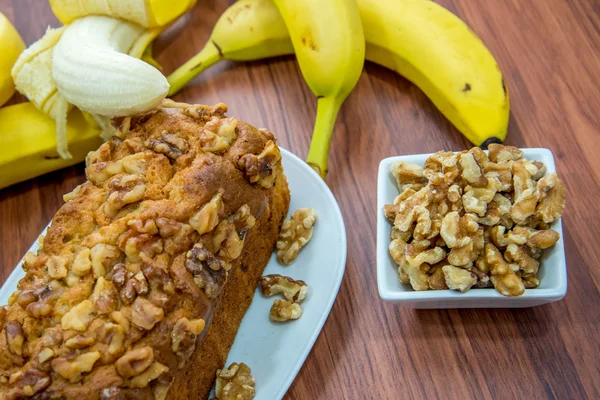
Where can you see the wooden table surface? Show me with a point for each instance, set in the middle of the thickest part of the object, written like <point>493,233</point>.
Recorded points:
<point>549,51</point>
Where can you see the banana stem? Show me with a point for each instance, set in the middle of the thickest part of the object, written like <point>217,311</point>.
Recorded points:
<point>208,56</point>
<point>318,154</point>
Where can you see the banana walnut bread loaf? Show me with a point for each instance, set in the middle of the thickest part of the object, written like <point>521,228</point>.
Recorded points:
<point>143,278</point>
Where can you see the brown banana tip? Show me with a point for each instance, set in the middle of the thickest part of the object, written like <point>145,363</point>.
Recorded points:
<point>489,141</point>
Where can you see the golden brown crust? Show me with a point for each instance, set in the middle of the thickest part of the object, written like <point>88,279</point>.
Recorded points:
<point>172,231</point>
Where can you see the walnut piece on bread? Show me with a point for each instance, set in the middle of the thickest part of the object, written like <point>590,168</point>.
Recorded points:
<point>295,234</point>
<point>235,383</point>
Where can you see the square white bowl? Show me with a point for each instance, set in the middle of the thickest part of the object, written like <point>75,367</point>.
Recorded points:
<point>552,273</point>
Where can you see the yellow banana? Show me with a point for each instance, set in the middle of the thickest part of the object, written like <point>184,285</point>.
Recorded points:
<point>93,72</point>
<point>328,41</point>
<point>248,30</point>
<point>417,38</point>
<point>146,13</point>
<point>11,45</point>
<point>330,47</point>
<point>33,72</point>
<point>28,142</point>
<point>438,52</point>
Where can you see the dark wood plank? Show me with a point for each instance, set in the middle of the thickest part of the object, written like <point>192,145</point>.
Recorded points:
<point>549,51</point>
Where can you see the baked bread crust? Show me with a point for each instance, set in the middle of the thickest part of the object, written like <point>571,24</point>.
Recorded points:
<point>147,270</point>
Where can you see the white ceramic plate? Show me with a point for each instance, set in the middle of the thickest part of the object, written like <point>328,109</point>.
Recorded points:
<point>275,352</point>
<point>552,273</point>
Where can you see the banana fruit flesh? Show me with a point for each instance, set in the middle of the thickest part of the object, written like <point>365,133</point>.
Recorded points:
<point>417,38</point>
<point>28,142</point>
<point>330,47</point>
<point>116,86</point>
<point>248,30</point>
<point>146,13</point>
<point>438,52</point>
<point>11,45</point>
<point>92,70</point>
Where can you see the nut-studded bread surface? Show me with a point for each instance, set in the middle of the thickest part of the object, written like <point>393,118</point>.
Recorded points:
<point>144,276</point>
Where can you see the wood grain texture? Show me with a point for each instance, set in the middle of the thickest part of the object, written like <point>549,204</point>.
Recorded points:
<point>549,51</point>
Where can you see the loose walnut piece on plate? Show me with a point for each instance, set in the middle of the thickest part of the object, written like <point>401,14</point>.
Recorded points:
<point>283,310</point>
<point>292,290</point>
<point>471,220</point>
<point>295,234</point>
<point>235,383</point>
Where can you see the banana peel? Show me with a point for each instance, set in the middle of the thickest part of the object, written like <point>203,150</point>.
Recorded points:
<point>146,13</point>
<point>11,45</point>
<point>28,142</point>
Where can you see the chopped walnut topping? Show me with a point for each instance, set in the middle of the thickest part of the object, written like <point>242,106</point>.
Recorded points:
<point>207,218</point>
<point>145,314</point>
<point>136,284</point>
<point>56,267</point>
<point>79,317</point>
<point>101,256</point>
<point>295,234</point>
<point>292,290</point>
<point>453,209</point>
<point>283,310</point>
<point>261,169</point>
<point>170,145</point>
<point>124,190</point>
<point>28,383</point>
<point>235,383</point>
<point>209,272</point>
<point>134,362</point>
<point>82,264</point>
<point>15,337</point>
<point>79,342</point>
<point>183,337</point>
<point>150,374</point>
<point>45,354</point>
<point>73,370</point>
<point>218,134</point>
<point>104,296</point>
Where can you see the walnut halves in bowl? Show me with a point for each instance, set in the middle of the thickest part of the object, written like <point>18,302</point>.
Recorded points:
<point>472,220</point>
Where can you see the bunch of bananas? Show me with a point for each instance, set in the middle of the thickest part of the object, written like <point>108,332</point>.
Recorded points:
<point>92,65</point>
<point>91,68</point>
<point>419,39</point>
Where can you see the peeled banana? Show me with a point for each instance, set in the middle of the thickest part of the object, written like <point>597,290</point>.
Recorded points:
<point>28,142</point>
<point>11,45</point>
<point>88,71</point>
<point>248,30</point>
<point>92,70</point>
<point>417,38</point>
<point>146,13</point>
